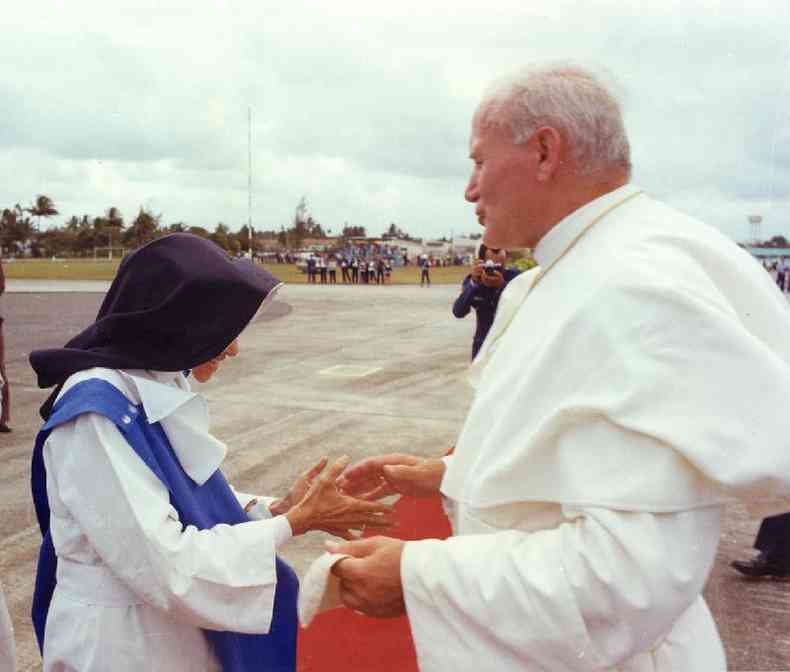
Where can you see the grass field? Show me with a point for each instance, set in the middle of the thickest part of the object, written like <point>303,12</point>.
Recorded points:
<point>78,269</point>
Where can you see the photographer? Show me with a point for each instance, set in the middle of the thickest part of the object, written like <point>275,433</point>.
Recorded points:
<point>481,289</point>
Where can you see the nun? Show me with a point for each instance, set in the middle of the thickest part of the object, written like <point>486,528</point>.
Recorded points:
<point>150,560</point>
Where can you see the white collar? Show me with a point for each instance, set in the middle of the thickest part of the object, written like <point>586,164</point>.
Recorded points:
<point>161,393</point>
<point>562,234</point>
<point>168,399</point>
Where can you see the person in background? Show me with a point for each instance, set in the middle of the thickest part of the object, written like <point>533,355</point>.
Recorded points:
<point>344,270</point>
<point>481,290</point>
<point>380,271</point>
<point>322,268</point>
<point>332,268</point>
<point>355,270</point>
<point>773,546</point>
<point>388,270</point>
<point>372,272</point>
<point>5,385</point>
<point>425,271</point>
<point>311,269</point>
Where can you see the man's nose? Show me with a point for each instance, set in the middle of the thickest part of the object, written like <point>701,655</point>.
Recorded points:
<point>471,193</point>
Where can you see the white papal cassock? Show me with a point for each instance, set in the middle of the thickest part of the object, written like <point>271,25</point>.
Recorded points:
<point>629,388</point>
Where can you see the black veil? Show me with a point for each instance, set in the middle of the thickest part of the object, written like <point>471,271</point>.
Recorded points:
<point>175,303</point>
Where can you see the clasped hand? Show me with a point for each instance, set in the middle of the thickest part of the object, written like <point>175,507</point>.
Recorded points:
<point>370,580</point>
<point>315,502</point>
<point>393,474</point>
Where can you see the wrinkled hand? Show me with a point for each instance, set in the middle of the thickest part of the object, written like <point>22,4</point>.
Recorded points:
<point>393,474</point>
<point>324,507</point>
<point>494,281</point>
<point>370,581</point>
<point>298,489</point>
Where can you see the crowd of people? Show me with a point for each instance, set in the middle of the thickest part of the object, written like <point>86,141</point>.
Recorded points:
<point>780,272</point>
<point>322,268</point>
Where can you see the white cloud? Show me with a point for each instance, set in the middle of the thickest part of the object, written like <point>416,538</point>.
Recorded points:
<point>365,108</point>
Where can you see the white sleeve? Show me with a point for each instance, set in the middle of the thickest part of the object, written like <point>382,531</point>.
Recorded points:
<point>260,511</point>
<point>222,578</point>
<point>584,596</point>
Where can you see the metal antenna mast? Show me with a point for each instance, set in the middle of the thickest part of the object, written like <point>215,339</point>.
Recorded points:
<point>249,178</point>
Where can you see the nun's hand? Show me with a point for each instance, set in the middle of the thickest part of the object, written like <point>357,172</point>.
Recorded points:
<point>324,507</point>
<point>298,489</point>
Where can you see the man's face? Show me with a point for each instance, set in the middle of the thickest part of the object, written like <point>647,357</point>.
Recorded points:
<point>502,187</point>
<point>497,256</point>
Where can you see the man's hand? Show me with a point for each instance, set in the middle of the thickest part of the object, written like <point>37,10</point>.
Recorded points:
<point>393,474</point>
<point>370,581</point>
<point>494,281</point>
<point>477,271</point>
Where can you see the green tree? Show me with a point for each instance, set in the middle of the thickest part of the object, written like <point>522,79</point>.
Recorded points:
<point>395,231</point>
<point>177,227</point>
<point>43,207</point>
<point>198,231</point>
<point>314,229</point>
<point>108,228</point>
<point>144,228</point>
<point>354,232</point>
<point>15,228</point>
<point>242,239</point>
<point>220,236</point>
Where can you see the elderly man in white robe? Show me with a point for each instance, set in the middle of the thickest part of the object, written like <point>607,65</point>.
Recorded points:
<point>630,386</point>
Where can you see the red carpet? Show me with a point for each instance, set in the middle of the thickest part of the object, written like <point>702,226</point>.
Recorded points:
<point>341,640</point>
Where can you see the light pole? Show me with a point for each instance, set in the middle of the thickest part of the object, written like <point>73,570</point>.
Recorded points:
<point>249,181</point>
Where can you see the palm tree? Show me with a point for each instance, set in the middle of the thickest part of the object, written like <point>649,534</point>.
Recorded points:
<point>114,221</point>
<point>145,226</point>
<point>43,207</point>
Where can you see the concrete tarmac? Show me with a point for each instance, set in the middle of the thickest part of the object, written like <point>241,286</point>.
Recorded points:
<point>329,370</point>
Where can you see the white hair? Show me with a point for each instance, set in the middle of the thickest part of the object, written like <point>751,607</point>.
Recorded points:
<point>568,98</point>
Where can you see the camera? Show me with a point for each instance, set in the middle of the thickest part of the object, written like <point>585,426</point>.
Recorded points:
<point>489,268</point>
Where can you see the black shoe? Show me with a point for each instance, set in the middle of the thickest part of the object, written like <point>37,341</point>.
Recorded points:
<point>760,566</point>
<point>5,429</point>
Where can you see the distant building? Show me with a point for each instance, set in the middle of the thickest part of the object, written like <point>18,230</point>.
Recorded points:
<point>769,254</point>
<point>464,246</point>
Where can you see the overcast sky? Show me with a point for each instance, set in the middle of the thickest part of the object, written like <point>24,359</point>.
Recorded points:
<point>364,107</point>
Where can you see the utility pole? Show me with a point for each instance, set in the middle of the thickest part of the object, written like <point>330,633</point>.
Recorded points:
<point>249,179</point>
<point>755,228</point>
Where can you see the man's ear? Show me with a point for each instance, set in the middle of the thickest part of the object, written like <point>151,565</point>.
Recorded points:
<point>549,145</point>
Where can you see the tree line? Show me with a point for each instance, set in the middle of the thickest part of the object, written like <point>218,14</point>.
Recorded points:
<point>21,232</point>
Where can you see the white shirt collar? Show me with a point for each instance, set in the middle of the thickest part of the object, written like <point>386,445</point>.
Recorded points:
<point>161,392</point>
<point>562,234</point>
<point>167,398</point>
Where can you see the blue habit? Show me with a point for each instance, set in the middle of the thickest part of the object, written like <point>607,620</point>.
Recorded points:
<point>202,506</point>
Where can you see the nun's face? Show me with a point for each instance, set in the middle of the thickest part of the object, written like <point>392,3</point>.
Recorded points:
<point>203,372</point>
